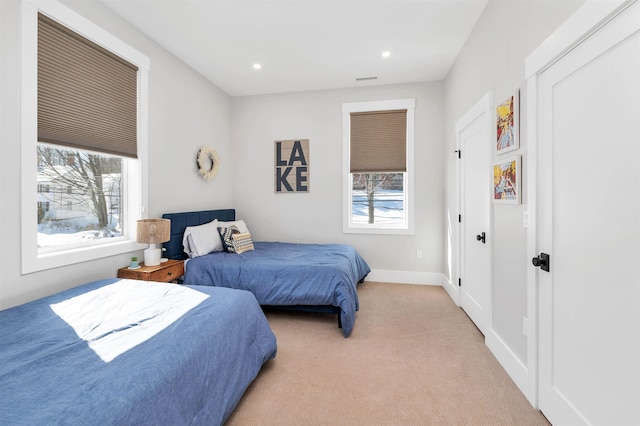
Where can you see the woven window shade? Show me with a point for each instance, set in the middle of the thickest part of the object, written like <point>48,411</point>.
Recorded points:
<point>379,141</point>
<point>87,96</point>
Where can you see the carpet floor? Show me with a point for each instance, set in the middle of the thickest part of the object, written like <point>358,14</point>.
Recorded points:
<point>413,358</point>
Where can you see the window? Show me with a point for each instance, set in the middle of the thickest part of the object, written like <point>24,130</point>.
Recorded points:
<point>378,162</point>
<point>89,184</point>
<point>84,125</point>
<point>82,210</point>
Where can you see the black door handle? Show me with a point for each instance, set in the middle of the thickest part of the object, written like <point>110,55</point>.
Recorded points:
<point>481,237</point>
<point>543,261</point>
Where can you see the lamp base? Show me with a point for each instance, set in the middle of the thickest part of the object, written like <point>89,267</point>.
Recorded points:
<point>152,256</point>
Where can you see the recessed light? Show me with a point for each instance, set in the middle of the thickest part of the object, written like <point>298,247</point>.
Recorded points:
<point>257,66</point>
<point>386,54</point>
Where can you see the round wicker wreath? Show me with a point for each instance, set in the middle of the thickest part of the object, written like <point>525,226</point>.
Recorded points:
<point>206,155</point>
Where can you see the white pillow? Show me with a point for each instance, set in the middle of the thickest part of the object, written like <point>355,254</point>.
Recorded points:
<point>242,227</point>
<point>202,239</point>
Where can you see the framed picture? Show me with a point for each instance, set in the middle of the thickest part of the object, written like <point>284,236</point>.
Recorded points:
<point>507,124</point>
<point>506,180</point>
<point>291,166</point>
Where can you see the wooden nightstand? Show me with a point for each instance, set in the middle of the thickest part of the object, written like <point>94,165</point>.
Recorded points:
<point>168,271</point>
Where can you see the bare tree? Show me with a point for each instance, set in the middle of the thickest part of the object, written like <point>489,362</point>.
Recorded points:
<point>79,175</point>
<point>371,182</point>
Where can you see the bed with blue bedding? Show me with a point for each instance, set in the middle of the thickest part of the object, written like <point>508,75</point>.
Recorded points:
<point>316,277</point>
<point>117,352</point>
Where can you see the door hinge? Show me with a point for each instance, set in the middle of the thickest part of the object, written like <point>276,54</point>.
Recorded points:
<point>459,218</point>
<point>459,282</point>
<point>459,152</point>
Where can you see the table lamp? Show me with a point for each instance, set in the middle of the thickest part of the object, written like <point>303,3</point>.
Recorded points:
<point>153,232</point>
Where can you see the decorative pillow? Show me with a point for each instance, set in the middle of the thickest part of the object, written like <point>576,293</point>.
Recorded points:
<point>202,239</point>
<point>242,227</point>
<point>242,242</point>
<point>226,235</point>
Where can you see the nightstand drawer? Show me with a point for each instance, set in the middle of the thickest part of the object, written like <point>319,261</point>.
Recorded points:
<point>169,273</point>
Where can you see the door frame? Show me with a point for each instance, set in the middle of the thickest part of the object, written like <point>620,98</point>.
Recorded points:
<point>584,22</point>
<point>482,106</point>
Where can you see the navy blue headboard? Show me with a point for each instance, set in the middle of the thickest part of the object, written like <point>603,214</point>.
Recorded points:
<point>180,221</point>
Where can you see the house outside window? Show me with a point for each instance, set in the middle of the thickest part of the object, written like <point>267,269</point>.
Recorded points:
<point>378,166</point>
<point>90,184</point>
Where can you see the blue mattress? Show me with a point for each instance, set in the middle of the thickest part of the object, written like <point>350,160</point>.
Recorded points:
<point>288,274</point>
<point>123,352</point>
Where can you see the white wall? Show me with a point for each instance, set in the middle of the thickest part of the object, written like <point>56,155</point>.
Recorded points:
<point>493,60</point>
<point>316,216</point>
<point>185,112</point>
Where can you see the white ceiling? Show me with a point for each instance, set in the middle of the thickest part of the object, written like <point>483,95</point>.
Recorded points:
<point>307,44</point>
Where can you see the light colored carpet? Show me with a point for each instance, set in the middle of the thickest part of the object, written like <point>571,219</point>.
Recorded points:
<point>414,358</point>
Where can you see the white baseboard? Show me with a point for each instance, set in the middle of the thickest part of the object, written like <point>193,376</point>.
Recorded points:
<point>406,277</point>
<point>452,289</point>
<point>514,367</point>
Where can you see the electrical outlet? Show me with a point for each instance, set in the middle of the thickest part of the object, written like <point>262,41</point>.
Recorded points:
<point>525,326</point>
<point>419,254</point>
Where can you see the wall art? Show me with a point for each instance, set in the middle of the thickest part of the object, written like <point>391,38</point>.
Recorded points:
<point>506,180</point>
<point>207,162</point>
<point>291,158</point>
<point>507,124</point>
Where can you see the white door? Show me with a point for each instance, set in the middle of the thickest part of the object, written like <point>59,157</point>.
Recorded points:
<point>474,131</point>
<point>589,224</point>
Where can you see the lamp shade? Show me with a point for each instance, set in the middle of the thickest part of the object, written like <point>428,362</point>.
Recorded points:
<point>153,231</point>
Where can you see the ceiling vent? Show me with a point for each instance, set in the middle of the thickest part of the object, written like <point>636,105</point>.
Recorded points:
<point>366,78</point>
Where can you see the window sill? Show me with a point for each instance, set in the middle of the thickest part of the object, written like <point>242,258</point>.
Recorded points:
<point>60,258</point>
<point>376,230</point>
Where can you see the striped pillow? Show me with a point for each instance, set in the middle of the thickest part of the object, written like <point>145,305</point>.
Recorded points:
<point>242,242</point>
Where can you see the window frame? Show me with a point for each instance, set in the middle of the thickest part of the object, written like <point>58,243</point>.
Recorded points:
<point>348,227</point>
<point>134,174</point>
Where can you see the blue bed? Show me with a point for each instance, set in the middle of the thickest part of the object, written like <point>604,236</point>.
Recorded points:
<point>317,277</point>
<point>117,352</point>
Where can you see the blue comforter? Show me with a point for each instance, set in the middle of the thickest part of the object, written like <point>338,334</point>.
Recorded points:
<point>288,274</point>
<point>118,352</point>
